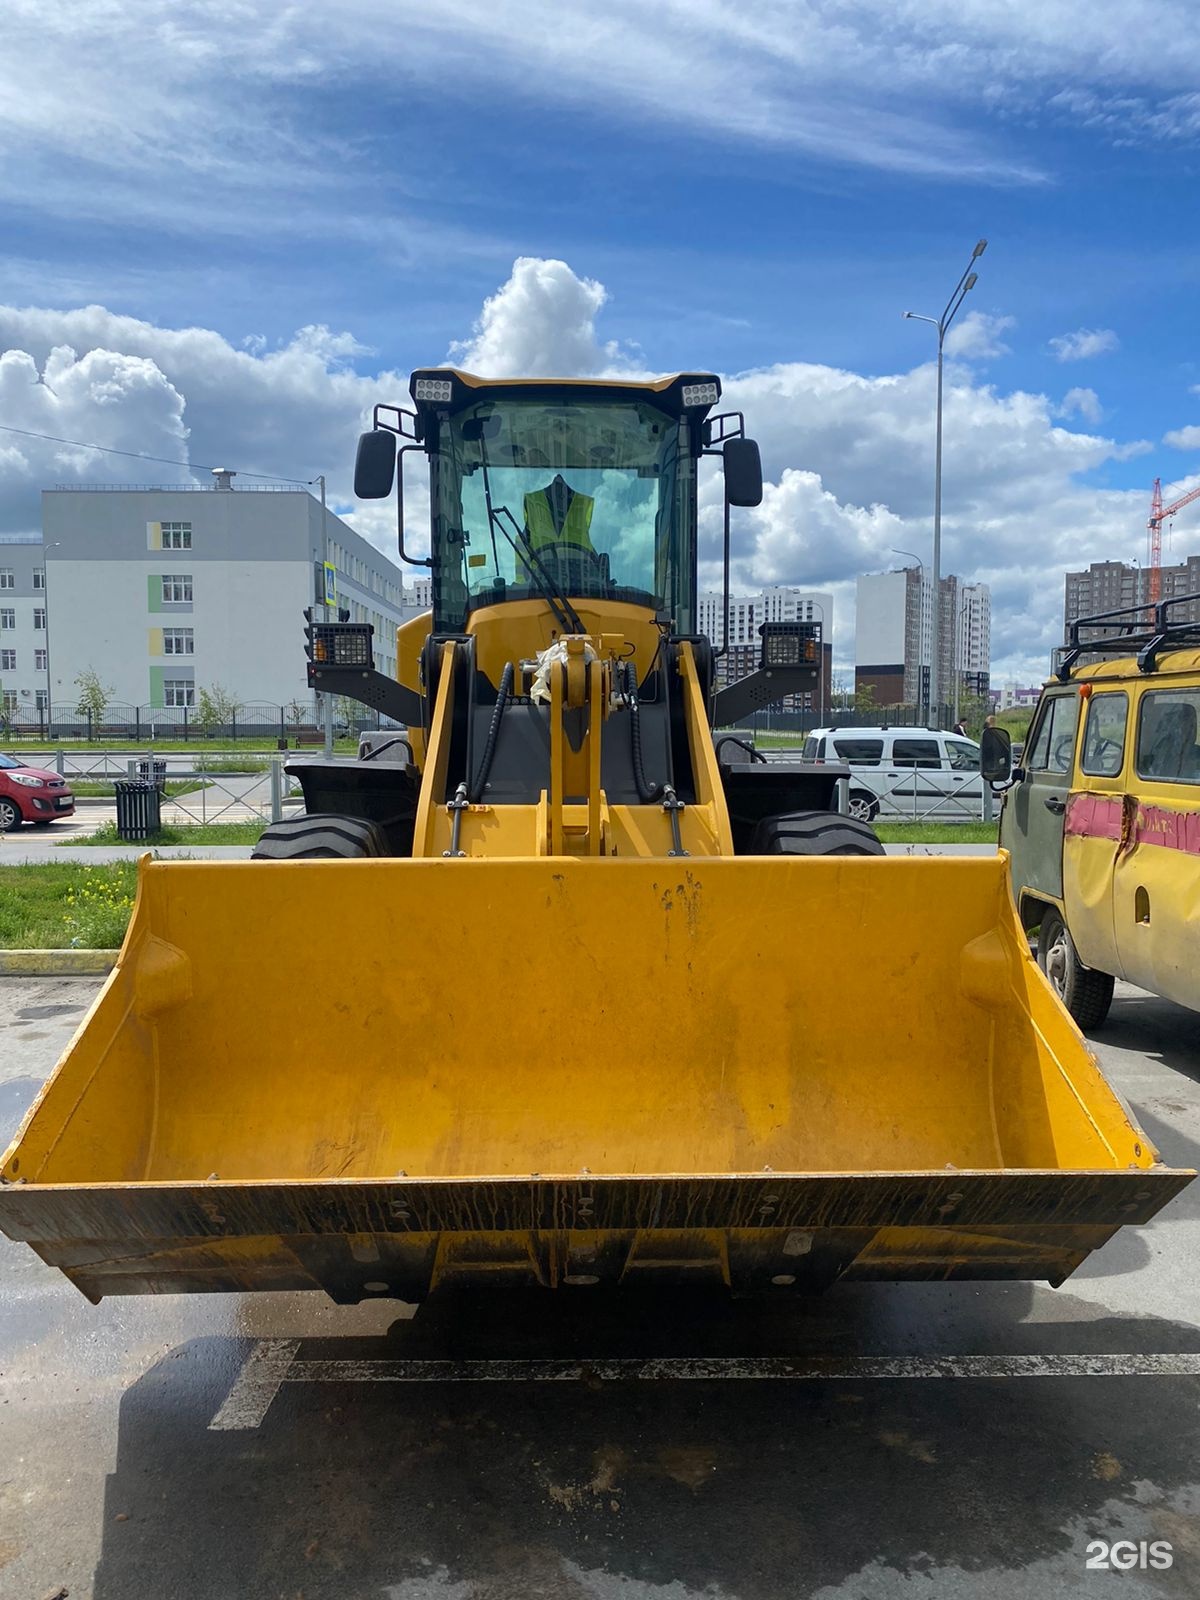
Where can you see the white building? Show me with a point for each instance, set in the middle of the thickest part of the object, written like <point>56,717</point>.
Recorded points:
<point>165,591</point>
<point>748,611</point>
<point>24,641</point>
<point>894,636</point>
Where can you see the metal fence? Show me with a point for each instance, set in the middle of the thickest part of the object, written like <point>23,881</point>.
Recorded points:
<point>911,794</point>
<point>255,720</point>
<point>214,792</point>
<point>777,719</point>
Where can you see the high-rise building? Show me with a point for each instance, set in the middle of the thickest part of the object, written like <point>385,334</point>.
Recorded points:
<point>894,636</point>
<point>1113,585</point>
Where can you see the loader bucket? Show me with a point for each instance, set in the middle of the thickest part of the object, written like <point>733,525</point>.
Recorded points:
<point>372,1077</point>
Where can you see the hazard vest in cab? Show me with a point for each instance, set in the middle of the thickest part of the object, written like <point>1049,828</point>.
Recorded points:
<point>543,530</point>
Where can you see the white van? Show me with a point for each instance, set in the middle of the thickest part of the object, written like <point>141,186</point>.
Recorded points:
<point>904,772</point>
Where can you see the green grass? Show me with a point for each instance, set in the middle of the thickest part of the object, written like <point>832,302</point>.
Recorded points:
<point>55,907</point>
<point>185,833</point>
<point>938,832</point>
<point>196,747</point>
<point>84,789</point>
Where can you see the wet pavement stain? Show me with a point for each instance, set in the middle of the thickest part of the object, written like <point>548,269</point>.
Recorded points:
<point>16,1096</point>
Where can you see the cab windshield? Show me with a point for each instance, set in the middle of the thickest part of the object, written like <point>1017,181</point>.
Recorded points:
<point>590,500</point>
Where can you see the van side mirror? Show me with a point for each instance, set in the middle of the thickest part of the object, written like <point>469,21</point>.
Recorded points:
<point>375,464</point>
<point>743,472</point>
<point>995,755</point>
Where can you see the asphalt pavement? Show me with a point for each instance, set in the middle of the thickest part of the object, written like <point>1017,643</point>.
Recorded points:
<point>223,1446</point>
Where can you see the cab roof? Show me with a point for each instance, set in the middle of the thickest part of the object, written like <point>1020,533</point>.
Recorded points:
<point>1185,661</point>
<point>467,387</point>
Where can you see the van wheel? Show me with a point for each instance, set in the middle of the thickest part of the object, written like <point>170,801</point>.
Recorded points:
<point>320,837</point>
<point>1087,994</point>
<point>862,805</point>
<point>814,833</point>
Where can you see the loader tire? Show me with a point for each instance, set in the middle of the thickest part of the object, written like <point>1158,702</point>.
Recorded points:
<point>316,837</point>
<point>1086,993</point>
<point>814,833</point>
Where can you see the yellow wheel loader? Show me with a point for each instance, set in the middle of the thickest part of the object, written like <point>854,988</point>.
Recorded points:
<point>553,987</point>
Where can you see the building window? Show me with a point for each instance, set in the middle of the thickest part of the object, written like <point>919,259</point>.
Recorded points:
<point>178,692</point>
<point>10,700</point>
<point>178,642</point>
<point>39,661</point>
<point>177,536</point>
<point>8,617</point>
<point>39,618</point>
<point>8,578</point>
<point>177,588</point>
<point>8,660</point>
<point>43,701</point>
<point>39,577</point>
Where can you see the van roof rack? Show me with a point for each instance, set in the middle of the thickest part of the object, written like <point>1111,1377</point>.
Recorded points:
<point>1145,631</point>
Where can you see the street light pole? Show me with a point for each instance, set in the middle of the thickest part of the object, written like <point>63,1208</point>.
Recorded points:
<point>961,289</point>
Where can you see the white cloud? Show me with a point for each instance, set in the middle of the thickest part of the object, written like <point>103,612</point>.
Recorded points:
<point>1083,403</point>
<point>977,336</point>
<point>541,322</point>
<point>104,397</point>
<point>849,458</point>
<point>1183,438</point>
<point>202,116</point>
<point>1083,343</point>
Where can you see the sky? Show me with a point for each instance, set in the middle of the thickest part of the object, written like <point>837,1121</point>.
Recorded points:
<point>231,228</point>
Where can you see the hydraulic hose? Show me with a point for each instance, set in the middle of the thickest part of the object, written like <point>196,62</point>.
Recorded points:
<point>647,791</point>
<point>475,792</point>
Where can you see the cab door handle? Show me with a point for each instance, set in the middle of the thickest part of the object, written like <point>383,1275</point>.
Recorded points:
<point>1053,803</point>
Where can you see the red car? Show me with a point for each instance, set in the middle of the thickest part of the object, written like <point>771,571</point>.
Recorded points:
<point>31,794</point>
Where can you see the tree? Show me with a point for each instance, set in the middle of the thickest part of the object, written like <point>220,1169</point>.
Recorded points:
<point>864,699</point>
<point>297,714</point>
<point>216,708</point>
<point>95,697</point>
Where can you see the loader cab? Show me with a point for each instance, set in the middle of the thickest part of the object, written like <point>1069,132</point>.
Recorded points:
<point>585,490</point>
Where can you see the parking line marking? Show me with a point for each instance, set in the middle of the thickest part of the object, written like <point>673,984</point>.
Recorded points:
<point>272,1363</point>
<point>257,1384</point>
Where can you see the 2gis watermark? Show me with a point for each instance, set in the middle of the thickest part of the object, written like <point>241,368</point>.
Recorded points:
<point>1129,1555</point>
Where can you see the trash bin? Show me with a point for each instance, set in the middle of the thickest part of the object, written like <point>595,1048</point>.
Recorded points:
<point>154,772</point>
<point>138,810</point>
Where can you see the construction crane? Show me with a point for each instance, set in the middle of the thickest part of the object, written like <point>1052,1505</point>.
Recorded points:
<point>1158,515</point>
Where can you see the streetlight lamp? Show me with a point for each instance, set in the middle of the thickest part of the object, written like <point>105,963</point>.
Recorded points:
<point>896,551</point>
<point>961,289</point>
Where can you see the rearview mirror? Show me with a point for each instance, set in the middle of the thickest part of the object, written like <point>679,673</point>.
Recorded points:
<point>995,755</point>
<point>375,464</point>
<point>475,428</point>
<point>743,473</point>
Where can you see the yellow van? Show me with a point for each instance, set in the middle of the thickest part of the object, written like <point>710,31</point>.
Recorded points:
<point>1102,817</point>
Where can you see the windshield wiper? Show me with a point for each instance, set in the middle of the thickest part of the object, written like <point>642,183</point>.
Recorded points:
<point>565,613</point>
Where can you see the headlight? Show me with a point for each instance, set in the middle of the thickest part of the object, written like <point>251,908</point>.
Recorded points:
<point>28,782</point>
<point>699,394</point>
<point>437,390</point>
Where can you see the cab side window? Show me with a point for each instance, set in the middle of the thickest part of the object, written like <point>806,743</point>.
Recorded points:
<point>964,757</point>
<point>863,752</point>
<point>1167,748</point>
<point>916,753</point>
<point>1053,743</point>
<point>1104,735</point>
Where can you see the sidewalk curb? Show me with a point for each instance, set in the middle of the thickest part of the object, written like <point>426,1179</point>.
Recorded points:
<point>57,963</point>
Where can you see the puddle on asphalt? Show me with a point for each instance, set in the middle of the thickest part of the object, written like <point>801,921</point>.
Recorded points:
<point>16,1096</point>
